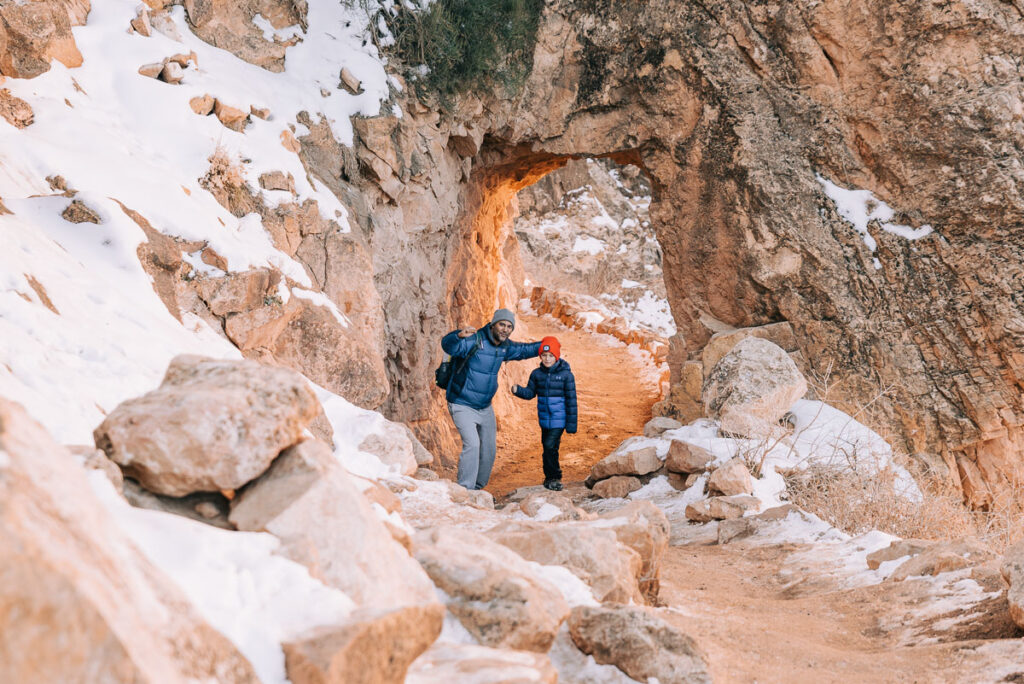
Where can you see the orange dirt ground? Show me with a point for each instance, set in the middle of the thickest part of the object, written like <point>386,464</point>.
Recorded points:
<point>614,403</point>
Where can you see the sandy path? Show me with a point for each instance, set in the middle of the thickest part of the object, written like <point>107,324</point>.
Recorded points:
<point>614,404</point>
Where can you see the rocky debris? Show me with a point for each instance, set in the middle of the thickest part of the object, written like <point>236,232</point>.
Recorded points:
<point>740,528</point>
<point>942,557</point>
<point>141,24</point>
<point>211,425</point>
<point>372,647</point>
<point>897,549</point>
<point>228,25</point>
<point>350,82</point>
<point>627,461</point>
<point>721,508</point>
<point>616,486</point>
<point>78,212</point>
<point>730,478</point>
<point>152,70</point>
<point>277,180</point>
<point>32,34</point>
<point>202,104</point>
<point>14,110</point>
<point>205,507</point>
<point>393,447</point>
<point>660,424</point>
<point>684,457</point>
<point>71,577</point>
<point>237,292</point>
<point>471,664</point>
<point>172,73</point>
<point>643,527</point>
<point>477,498</point>
<point>551,506</point>
<point>1012,570</point>
<point>425,474</point>
<point>260,112</point>
<point>491,590</point>
<point>232,117</point>
<point>752,387</point>
<point>309,501</point>
<point>612,570</point>
<point>638,643</point>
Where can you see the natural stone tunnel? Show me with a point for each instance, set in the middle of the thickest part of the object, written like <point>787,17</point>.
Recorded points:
<point>734,112</point>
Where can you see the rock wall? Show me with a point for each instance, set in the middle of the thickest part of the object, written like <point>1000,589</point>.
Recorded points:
<point>734,110</point>
<point>739,113</point>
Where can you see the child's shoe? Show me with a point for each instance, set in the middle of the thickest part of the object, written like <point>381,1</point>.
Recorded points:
<point>553,485</point>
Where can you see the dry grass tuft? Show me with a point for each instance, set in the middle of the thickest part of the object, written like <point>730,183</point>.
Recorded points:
<point>225,180</point>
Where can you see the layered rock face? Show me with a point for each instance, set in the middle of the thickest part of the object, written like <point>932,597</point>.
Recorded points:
<point>739,113</point>
<point>750,120</point>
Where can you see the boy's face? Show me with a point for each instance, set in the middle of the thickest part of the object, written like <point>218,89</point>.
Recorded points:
<point>548,359</point>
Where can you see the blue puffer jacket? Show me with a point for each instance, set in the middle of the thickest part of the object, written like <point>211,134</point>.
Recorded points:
<point>475,384</point>
<point>555,389</point>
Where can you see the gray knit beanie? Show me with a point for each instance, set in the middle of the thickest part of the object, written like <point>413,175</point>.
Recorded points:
<point>504,315</point>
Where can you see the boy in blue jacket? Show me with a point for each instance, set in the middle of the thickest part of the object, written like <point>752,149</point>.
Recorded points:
<point>555,388</point>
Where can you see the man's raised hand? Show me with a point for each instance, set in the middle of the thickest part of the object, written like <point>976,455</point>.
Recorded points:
<point>467,332</point>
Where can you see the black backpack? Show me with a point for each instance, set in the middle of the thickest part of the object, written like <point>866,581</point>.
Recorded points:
<point>447,370</point>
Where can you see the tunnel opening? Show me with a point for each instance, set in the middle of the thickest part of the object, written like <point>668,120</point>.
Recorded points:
<point>568,244</point>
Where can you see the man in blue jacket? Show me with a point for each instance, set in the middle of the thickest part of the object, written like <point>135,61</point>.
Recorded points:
<point>472,387</point>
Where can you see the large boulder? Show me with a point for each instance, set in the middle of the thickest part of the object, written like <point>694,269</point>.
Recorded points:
<point>78,602</point>
<point>1012,570</point>
<point>212,424</point>
<point>309,501</point>
<point>230,25</point>
<point>722,343</point>
<point>684,457</point>
<point>627,459</point>
<point>34,33</point>
<point>370,648</point>
<point>493,592</point>
<point>471,664</point>
<point>731,478</point>
<point>612,570</point>
<point>751,388</point>
<point>638,643</point>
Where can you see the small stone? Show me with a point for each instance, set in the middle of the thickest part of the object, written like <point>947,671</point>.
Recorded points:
<point>207,509</point>
<point>897,549</point>
<point>656,426</point>
<point>699,511</point>
<point>259,112</point>
<point>616,487</point>
<point>151,70</point>
<point>624,461</point>
<point>14,110</point>
<point>289,142</point>
<point>232,117</point>
<point>349,82</point>
<point>182,59</point>
<point>77,212</point>
<point>732,477</point>
<point>141,23</point>
<point>730,507</point>
<point>172,73</point>
<point>202,105</point>
<point>425,474</point>
<point>687,458</point>
<point>277,180</point>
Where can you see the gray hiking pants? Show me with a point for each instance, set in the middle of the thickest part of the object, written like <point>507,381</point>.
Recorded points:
<point>479,432</point>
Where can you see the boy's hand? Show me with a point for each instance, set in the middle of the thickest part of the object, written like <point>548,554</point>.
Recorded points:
<point>467,332</point>
<point>515,388</point>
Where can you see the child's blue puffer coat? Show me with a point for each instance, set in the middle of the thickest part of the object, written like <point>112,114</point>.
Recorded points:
<point>555,389</point>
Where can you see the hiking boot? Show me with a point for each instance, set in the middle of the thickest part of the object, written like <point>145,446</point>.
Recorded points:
<point>553,485</point>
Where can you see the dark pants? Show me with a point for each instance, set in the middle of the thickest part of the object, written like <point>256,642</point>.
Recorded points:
<point>550,438</point>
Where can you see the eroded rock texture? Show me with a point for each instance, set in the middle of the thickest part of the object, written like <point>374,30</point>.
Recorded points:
<point>734,109</point>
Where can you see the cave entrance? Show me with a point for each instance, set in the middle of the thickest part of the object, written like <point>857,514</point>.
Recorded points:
<point>581,262</point>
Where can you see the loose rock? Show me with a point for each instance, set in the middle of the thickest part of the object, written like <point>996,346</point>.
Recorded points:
<point>687,458</point>
<point>616,487</point>
<point>624,461</point>
<point>732,477</point>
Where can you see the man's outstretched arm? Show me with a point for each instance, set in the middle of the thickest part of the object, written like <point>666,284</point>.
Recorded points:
<point>522,350</point>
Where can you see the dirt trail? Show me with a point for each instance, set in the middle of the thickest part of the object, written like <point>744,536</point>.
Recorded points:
<point>615,400</point>
<point>754,627</point>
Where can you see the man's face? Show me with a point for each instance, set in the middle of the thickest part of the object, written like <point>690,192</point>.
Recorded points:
<point>502,329</point>
<point>548,359</point>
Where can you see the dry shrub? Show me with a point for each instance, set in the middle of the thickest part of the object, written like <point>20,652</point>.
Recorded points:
<point>225,180</point>
<point>856,503</point>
